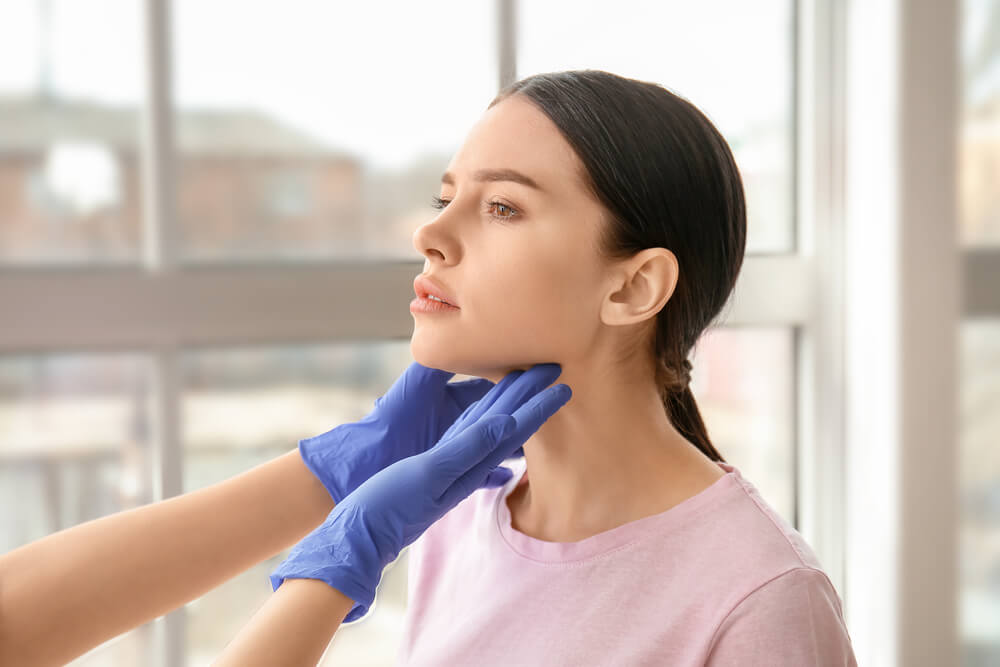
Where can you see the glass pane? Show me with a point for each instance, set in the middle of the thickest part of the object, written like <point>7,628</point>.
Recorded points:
<point>326,137</point>
<point>979,150</point>
<point>737,70</point>
<point>742,379</point>
<point>242,407</point>
<point>75,446</point>
<point>979,491</point>
<point>69,91</point>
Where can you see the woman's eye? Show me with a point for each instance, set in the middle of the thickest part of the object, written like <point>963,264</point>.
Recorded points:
<point>500,205</point>
<point>439,203</point>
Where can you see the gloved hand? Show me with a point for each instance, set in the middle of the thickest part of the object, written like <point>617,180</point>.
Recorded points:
<point>367,529</point>
<point>408,419</point>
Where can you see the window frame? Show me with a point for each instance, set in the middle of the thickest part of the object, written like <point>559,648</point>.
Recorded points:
<point>161,305</point>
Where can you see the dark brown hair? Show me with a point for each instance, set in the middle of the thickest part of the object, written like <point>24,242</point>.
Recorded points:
<point>667,179</point>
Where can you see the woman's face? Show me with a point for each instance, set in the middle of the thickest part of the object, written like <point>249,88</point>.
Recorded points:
<point>519,261</point>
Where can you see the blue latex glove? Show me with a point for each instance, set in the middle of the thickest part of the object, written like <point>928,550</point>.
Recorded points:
<point>367,530</point>
<point>408,419</point>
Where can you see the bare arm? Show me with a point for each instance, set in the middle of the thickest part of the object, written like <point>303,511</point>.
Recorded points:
<point>293,627</point>
<point>64,594</point>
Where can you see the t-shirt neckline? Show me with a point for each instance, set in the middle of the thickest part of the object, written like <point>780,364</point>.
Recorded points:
<point>607,541</point>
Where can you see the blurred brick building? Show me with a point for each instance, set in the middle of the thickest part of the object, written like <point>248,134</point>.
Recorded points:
<point>71,185</point>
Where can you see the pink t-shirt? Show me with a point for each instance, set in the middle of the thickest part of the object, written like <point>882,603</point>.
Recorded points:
<point>719,579</point>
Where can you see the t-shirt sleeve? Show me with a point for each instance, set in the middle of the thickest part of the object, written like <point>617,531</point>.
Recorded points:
<point>794,619</point>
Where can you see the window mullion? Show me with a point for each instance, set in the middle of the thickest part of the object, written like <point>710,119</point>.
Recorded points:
<point>506,41</point>
<point>159,257</point>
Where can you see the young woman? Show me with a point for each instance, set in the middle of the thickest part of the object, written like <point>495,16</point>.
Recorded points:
<point>599,221</point>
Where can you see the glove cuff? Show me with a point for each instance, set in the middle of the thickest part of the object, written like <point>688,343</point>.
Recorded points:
<point>310,450</point>
<point>343,556</point>
<point>344,457</point>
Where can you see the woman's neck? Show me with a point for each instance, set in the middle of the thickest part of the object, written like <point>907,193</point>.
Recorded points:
<point>608,457</point>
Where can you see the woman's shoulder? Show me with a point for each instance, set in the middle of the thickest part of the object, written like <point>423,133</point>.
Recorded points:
<point>749,538</point>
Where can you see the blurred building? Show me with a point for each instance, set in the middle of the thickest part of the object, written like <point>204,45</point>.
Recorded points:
<point>70,176</point>
<point>979,168</point>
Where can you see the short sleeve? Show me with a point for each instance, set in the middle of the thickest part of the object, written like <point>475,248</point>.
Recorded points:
<point>794,619</point>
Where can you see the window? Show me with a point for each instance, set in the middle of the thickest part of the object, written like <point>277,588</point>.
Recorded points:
<point>366,120</point>
<point>731,59</point>
<point>979,151</point>
<point>979,220</point>
<point>192,260</point>
<point>70,82</point>
<point>75,446</point>
<point>244,406</point>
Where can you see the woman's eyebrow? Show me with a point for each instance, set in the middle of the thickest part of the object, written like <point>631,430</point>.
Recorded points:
<point>484,175</point>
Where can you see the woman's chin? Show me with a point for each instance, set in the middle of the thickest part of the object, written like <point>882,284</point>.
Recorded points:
<point>438,356</point>
<point>443,357</point>
<point>441,360</point>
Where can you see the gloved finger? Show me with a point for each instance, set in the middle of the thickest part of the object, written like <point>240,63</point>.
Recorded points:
<point>520,385</point>
<point>452,458</point>
<point>501,439</point>
<point>475,410</point>
<point>497,477</point>
<point>514,389</point>
<point>483,404</point>
<point>518,453</point>
<point>526,385</point>
<point>458,424</point>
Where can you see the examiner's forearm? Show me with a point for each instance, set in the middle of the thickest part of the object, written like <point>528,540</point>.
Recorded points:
<point>68,592</point>
<point>292,628</point>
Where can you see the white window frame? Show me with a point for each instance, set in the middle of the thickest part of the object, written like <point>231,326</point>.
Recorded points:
<point>908,284</point>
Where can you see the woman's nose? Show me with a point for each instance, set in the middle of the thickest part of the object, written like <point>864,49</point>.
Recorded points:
<point>430,241</point>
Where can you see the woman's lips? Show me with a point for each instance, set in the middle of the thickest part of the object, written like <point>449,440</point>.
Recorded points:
<point>425,305</point>
<point>425,285</point>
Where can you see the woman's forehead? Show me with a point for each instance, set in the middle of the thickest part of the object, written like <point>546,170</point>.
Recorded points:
<point>516,135</point>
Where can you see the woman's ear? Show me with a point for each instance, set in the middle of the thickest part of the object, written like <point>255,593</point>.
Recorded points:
<point>642,285</point>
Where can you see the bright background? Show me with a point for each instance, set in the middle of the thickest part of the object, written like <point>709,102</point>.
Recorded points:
<point>298,136</point>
